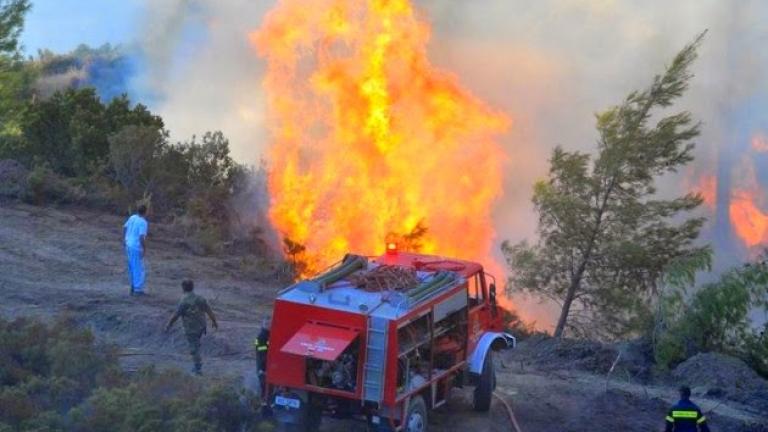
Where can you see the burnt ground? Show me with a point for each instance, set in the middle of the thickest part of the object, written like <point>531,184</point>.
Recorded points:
<point>70,262</point>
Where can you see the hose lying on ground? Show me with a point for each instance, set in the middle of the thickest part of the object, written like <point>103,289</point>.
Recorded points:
<point>510,413</point>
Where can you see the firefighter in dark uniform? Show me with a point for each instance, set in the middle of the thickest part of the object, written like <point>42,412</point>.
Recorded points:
<point>261,345</point>
<point>685,416</point>
<point>192,310</point>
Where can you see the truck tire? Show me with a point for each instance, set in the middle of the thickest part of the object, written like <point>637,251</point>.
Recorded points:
<point>305,427</point>
<point>311,422</point>
<point>314,418</point>
<point>288,427</point>
<point>485,385</point>
<point>416,419</point>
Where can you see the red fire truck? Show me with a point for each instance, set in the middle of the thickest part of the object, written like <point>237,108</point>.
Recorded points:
<point>344,344</point>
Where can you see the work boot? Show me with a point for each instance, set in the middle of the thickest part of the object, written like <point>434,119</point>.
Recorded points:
<point>266,411</point>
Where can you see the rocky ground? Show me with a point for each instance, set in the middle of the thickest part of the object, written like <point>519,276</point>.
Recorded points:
<point>70,261</point>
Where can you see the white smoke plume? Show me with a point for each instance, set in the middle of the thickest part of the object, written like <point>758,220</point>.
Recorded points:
<point>551,64</point>
<point>46,86</point>
<point>203,70</point>
<point>161,33</point>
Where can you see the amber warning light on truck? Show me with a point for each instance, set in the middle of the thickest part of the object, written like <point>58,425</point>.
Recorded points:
<point>391,248</point>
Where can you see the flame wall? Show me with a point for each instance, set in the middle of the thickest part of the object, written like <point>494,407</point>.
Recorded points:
<point>369,139</point>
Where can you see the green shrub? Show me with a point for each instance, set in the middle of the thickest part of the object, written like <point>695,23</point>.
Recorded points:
<point>670,350</point>
<point>163,401</point>
<point>49,368</point>
<point>47,421</point>
<point>16,406</point>
<point>37,181</point>
<point>756,351</point>
<point>193,182</point>
<point>56,378</point>
<point>716,318</point>
<point>221,407</point>
<point>13,179</point>
<point>45,186</point>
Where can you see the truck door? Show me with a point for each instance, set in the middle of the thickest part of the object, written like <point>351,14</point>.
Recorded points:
<point>479,310</point>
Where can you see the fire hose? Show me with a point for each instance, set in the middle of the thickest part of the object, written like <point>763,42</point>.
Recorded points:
<point>353,264</point>
<point>510,413</point>
<point>439,281</point>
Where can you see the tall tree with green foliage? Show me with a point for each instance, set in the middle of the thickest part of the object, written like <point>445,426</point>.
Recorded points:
<point>14,76</point>
<point>605,234</point>
<point>11,24</point>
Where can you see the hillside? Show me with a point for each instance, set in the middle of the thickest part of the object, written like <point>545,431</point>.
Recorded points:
<point>69,261</point>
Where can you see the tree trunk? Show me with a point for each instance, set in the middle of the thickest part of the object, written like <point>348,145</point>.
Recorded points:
<point>565,311</point>
<point>576,279</point>
<point>569,296</point>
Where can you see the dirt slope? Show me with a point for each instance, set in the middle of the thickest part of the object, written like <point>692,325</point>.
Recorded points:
<point>70,261</point>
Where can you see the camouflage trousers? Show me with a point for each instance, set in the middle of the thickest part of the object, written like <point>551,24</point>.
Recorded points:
<point>193,338</point>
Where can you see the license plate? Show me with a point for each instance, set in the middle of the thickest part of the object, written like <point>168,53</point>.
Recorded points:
<point>287,402</point>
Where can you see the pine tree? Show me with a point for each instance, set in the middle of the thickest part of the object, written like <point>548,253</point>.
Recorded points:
<point>605,235</point>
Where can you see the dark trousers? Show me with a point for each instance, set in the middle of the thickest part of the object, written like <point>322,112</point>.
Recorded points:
<point>193,338</point>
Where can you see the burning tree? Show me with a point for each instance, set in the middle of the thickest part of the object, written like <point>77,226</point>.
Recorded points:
<point>605,236</point>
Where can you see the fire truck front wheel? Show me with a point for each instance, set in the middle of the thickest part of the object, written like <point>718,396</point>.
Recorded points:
<point>485,385</point>
<point>311,422</point>
<point>416,419</point>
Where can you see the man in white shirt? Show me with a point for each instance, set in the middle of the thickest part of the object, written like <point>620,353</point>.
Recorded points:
<point>135,235</point>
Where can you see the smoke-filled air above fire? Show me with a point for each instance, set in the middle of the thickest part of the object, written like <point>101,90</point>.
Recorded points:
<point>369,140</point>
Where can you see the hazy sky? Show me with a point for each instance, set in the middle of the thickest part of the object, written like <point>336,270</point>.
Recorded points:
<point>61,25</point>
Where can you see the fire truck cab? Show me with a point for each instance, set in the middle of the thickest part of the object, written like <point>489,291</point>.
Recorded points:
<point>340,347</point>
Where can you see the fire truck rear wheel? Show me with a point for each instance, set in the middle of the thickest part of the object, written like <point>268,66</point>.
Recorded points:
<point>416,420</point>
<point>485,385</point>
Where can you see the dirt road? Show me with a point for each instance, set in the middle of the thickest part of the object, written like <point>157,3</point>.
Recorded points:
<point>70,261</point>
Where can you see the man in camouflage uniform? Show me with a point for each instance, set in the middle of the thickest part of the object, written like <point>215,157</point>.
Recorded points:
<point>192,310</point>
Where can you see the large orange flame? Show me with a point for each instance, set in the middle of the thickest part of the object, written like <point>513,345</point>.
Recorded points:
<point>370,139</point>
<point>749,221</point>
<point>760,143</point>
<point>707,188</point>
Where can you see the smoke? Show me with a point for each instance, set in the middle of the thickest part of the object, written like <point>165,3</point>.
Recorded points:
<point>555,63</point>
<point>46,86</point>
<point>197,60</point>
<point>550,64</point>
<point>161,34</point>
<point>108,69</point>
